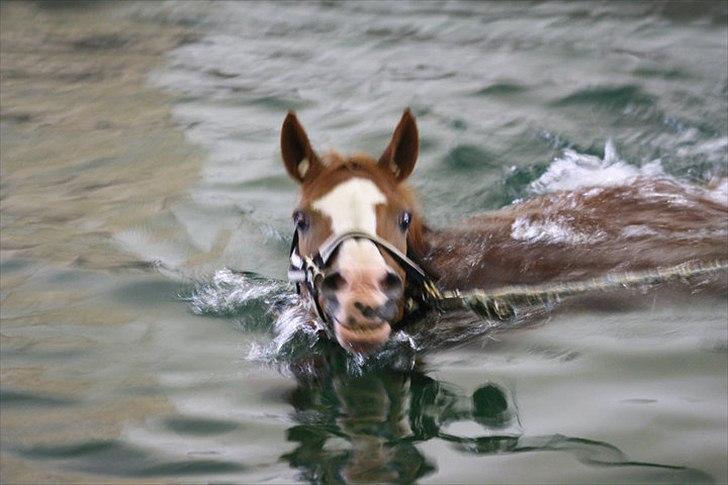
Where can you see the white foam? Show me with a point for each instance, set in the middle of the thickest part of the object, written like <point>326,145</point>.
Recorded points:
<point>551,231</point>
<point>720,192</point>
<point>637,231</point>
<point>229,292</point>
<point>574,170</point>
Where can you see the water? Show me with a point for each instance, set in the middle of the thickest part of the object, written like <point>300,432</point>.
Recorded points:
<point>146,218</point>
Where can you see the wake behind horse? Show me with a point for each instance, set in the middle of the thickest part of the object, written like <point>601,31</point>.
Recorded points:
<point>361,245</point>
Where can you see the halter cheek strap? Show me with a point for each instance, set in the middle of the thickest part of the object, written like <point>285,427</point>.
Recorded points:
<point>305,271</point>
<point>309,271</point>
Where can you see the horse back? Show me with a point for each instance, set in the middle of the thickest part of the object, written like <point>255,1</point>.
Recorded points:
<point>572,235</point>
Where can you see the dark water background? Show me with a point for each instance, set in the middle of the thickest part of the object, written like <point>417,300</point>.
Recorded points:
<point>140,160</point>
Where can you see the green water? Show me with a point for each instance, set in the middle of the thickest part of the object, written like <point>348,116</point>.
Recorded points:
<point>139,160</point>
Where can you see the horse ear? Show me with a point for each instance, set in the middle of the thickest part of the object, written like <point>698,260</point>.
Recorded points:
<point>299,158</point>
<point>401,154</point>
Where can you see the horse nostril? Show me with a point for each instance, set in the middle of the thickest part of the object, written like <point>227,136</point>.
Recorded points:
<point>385,312</point>
<point>365,310</point>
<point>391,284</point>
<point>332,283</point>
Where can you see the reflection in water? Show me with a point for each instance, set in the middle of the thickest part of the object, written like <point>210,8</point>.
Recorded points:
<point>365,428</point>
<point>354,429</point>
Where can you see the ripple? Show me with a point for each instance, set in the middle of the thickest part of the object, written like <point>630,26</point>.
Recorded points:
<point>114,458</point>
<point>612,97</point>
<point>73,450</point>
<point>100,42</point>
<point>469,157</point>
<point>199,426</point>
<point>501,89</point>
<point>148,293</point>
<point>190,467</point>
<point>656,72</point>
<point>12,398</point>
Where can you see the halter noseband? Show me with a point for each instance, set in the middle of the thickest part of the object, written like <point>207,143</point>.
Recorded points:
<point>311,270</point>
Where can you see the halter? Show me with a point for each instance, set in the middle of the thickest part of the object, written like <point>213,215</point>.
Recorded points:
<point>311,270</point>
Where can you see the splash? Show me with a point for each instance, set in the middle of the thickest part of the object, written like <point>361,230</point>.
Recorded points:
<point>574,170</point>
<point>718,190</point>
<point>230,293</point>
<point>298,337</point>
<point>296,342</point>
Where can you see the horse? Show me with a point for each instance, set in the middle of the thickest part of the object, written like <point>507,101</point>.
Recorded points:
<point>361,244</point>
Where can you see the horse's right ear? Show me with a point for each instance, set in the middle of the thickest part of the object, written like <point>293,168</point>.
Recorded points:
<point>299,158</point>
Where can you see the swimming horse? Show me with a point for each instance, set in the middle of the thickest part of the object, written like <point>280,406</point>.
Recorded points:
<point>362,253</point>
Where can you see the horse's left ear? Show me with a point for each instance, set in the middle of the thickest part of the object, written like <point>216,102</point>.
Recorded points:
<point>401,153</point>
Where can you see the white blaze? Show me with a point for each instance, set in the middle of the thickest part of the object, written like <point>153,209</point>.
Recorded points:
<point>352,207</point>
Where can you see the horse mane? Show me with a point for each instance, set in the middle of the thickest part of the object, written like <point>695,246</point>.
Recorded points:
<point>418,247</point>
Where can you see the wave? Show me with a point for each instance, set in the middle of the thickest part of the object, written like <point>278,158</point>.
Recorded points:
<point>574,170</point>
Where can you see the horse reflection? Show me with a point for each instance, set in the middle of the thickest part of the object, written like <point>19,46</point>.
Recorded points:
<point>357,428</point>
<point>366,428</point>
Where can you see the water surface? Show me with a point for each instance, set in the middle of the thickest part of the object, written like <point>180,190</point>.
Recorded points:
<point>146,336</point>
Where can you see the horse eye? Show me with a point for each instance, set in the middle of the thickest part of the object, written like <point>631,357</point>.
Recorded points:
<point>300,220</point>
<point>405,220</point>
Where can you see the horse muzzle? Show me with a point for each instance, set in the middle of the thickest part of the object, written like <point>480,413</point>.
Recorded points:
<point>363,337</point>
<point>362,308</point>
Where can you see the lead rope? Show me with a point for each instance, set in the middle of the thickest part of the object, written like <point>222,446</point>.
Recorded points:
<point>501,303</point>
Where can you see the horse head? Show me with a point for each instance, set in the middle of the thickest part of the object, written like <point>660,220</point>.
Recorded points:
<point>359,219</point>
